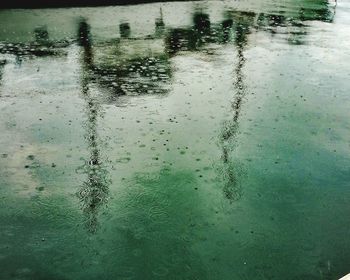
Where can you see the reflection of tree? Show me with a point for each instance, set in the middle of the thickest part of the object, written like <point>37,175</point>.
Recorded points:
<point>94,191</point>
<point>228,137</point>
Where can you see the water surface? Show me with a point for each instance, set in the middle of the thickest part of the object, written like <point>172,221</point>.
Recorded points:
<point>184,140</point>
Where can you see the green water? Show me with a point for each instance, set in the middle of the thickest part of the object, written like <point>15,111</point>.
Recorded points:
<point>192,140</point>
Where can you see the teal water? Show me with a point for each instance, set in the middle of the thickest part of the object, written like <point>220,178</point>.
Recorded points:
<point>192,140</point>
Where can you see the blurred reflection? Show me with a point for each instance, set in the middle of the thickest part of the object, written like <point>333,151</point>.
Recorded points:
<point>203,31</point>
<point>231,170</point>
<point>41,46</point>
<point>127,66</point>
<point>41,35</point>
<point>84,40</point>
<point>293,29</point>
<point>159,25</point>
<point>94,191</point>
<point>226,30</point>
<point>124,30</point>
<point>201,28</point>
<point>2,64</point>
<point>192,38</point>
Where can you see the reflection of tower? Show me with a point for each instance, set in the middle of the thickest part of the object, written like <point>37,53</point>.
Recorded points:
<point>201,29</point>
<point>201,23</point>
<point>124,30</point>
<point>226,29</point>
<point>232,189</point>
<point>94,191</point>
<point>190,39</point>
<point>41,35</point>
<point>84,40</point>
<point>160,26</point>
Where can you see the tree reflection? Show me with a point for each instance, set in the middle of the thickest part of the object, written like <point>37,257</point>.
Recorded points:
<point>94,191</point>
<point>232,188</point>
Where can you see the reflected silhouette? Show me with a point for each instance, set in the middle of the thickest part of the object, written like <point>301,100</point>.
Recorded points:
<point>190,39</point>
<point>124,30</point>
<point>93,193</point>
<point>137,66</point>
<point>41,46</point>
<point>226,30</point>
<point>2,65</point>
<point>159,25</point>
<point>84,40</point>
<point>232,188</point>
<point>41,35</point>
<point>126,66</point>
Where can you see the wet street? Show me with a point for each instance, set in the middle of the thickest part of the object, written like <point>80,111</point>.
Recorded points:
<point>203,140</point>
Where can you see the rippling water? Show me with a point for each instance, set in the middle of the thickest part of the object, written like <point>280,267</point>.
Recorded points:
<point>183,140</point>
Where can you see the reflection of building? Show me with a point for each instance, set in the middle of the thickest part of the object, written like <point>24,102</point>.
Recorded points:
<point>128,66</point>
<point>289,22</point>
<point>41,46</point>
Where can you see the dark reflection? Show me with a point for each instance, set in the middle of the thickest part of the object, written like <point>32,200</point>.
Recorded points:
<point>190,39</point>
<point>226,30</point>
<point>94,191</point>
<point>136,66</point>
<point>41,35</point>
<point>143,71</point>
<point>41,46</point>
<point>201,23</point>
<point>124,29</point>
<point>2,64</point>
<point>293,29</point>
<point>159,25</point>
<point>241,23</point>
<point>134,76</point>
<point>84,40</point>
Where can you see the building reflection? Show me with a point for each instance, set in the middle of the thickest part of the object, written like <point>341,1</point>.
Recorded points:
<point>191,38</point>
<point>129,65</point>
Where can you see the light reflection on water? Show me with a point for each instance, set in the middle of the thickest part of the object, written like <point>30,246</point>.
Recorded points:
<point>195,140</point>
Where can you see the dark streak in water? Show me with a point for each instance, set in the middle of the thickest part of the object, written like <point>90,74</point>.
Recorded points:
<point>2,65</point>
<point>232,188</point>
<point>94,191</point>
